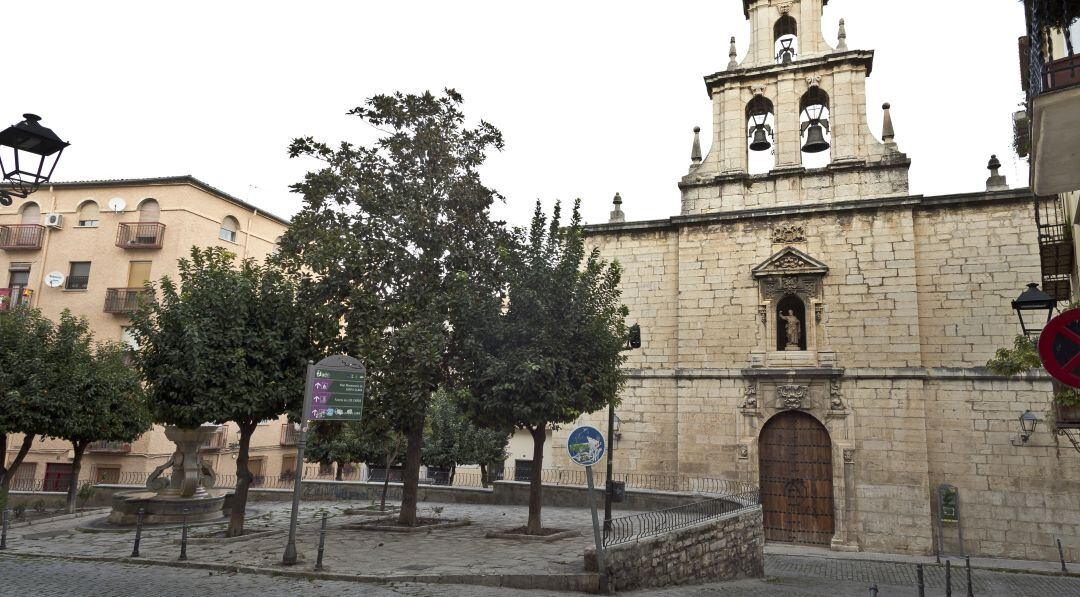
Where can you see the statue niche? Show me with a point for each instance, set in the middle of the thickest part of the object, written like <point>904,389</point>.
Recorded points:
<point>791,323</point>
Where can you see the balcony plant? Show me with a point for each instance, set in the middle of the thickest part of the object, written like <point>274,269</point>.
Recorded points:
<point>1024,356</point>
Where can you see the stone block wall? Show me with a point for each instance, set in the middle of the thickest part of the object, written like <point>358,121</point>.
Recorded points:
<point>727,548</point>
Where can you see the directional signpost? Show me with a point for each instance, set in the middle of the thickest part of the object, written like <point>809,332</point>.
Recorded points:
<point>586,447</point>
<point>333,391</point>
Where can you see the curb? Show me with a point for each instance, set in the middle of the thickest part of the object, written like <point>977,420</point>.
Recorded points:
<point>954,560</point>
<point>580,582</point>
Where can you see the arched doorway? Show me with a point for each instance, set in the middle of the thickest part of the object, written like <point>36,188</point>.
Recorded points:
<point>795,460</point>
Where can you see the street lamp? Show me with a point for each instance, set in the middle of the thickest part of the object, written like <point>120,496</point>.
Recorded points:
<point>1028,422</point>
<point>29,153</point>
<point>633,341</point>
<point>1033,302</point>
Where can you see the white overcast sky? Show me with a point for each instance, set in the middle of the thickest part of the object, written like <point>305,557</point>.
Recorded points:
<point>593,97</point>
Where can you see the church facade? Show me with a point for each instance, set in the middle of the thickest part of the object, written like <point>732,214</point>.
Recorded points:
<point>816,330</point>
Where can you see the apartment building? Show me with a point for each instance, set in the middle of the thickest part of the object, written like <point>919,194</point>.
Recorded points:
<point>90,247</point>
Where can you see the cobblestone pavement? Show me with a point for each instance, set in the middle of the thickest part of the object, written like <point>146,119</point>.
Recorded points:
<point>787,576</point>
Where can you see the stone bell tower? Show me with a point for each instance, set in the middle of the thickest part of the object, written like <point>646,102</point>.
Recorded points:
<point>798,104</point>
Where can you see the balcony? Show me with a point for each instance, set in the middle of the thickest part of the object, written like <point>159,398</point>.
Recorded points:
<point>15,296</point>
<point>140,235</point>
<point>123,301</point>
<point>1056,256</point>
<point>217,441</point>
<point>1053,86</point>
<point>114,447</point>
<point>21,237</point>
<point>290,434</point>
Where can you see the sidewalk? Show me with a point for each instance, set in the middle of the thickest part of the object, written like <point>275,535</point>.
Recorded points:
<point>1029,566</point>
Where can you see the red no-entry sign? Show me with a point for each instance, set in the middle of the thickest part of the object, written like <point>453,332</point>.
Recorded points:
<point>1059,348</point>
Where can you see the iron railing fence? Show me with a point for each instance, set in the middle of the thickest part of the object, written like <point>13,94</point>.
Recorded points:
<point>141,235</point>
<point>50,484</point>
<point>650,524</point>
<point>1045,73</point>
<point>21,236</point>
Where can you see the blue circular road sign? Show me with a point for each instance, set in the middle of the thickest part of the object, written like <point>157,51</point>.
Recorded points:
<point>586,445</point>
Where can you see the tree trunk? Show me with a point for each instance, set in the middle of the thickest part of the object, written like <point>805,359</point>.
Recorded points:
<point>536,479</point>
<point>339,473</point>
<point>410,477</point>
<point>243,482</point>
<point>391,453</point>
<point>76,466</point>
<point>483,475</point>
<point>7,472</point>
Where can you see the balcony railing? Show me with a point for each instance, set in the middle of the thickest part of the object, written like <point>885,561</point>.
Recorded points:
<point>10,297</point>
<point>289,434</point>
<point>217,441</point>
<point>1052,82</point>
<point>140,235</point>
<point>123,300</point>
<point>104,446</point>
<point>1056,256</point>
<point>21,237</point>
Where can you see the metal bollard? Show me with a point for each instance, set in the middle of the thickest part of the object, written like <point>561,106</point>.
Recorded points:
<point>970,589</point>
<point>183,538</point>
<point>4,525</point>
<point>948,578</point>
<point>922,582</point>
<point>873,590</point>
<point>322,541</point>
<point>1061,555</point>
<point>138,533</point>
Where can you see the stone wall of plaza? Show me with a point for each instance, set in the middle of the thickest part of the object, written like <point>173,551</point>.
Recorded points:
<point>915,300</point>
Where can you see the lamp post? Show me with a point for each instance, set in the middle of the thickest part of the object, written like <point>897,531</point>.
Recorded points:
<point>29,153</point>
<point>632,342</point>
<point>1033,302</point>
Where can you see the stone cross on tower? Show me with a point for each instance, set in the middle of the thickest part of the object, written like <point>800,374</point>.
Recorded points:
<point>810,94</point>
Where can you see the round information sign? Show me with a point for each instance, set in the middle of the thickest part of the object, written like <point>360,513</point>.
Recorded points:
<point>585,445</point>
<point>1059,348</point>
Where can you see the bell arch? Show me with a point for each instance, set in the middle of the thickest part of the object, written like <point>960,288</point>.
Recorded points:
<point>786,39</point>
<point>760,123</point>
<point>815,132</point>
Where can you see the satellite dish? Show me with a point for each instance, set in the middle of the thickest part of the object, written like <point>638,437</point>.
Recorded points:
<point>54,280</point>
<point>117,205</point>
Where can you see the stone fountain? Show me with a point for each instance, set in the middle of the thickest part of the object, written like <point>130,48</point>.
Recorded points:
<point>189,488</point>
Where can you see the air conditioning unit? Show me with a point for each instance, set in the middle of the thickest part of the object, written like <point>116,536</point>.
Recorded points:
<point>54,220</point>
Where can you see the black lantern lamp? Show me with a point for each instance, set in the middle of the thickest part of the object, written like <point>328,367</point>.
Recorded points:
<point>1028,423</point>
<point>634,340</point>
<point>29,153</point>
<point>1034,303</point>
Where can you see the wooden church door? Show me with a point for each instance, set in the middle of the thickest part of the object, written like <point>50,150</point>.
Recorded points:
<point>795,458</point>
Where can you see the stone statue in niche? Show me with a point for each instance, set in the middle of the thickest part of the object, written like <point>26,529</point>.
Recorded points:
<point>793,327</point>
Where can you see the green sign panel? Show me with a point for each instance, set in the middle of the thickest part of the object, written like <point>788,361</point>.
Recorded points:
<point>335,390</point>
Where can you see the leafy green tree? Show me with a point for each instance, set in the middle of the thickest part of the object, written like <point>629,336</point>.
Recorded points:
<point>25,406</point>
<point>553,350</point>
<point>451,439</point>
<point>97,396</point>
<point>345,442</point>
<point>391,237</point>
<point>228,342</point>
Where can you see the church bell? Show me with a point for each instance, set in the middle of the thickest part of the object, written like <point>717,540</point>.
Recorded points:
<point>760,142</point>
<point>815,139</point>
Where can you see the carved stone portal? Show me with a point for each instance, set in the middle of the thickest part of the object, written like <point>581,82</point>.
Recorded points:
<point>789,233</point>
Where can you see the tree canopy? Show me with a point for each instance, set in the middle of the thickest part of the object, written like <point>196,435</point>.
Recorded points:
<point>227,342</point>
<point>451,439</point>
<point>390,238</point>
<point>552,350</point>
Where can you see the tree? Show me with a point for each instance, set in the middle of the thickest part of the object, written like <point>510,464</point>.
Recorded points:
<point>229,342</point>
<point>24,381</point>
<point>97,396</point>
<point>553,350</point>
<point>388,237</point>
<point>451,439</point>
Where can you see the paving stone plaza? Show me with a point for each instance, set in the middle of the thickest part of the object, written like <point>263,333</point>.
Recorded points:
<point>56,558</point>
